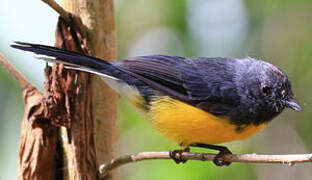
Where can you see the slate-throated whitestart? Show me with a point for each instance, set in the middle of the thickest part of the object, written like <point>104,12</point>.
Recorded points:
<point>192,101</point>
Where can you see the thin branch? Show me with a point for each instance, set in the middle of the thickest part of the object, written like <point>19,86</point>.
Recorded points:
<point>289,159</point>
<point>59,9</point>
<point>14,72</point>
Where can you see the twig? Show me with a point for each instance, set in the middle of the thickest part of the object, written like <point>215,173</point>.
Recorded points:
<point>289,159</point>
<point>59,9</point>
<point>14,72</point>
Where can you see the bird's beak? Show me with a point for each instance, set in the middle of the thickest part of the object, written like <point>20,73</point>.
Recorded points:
<point>291,103</point>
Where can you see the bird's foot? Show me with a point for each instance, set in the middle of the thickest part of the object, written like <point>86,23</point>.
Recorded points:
<point>176,155</point>
<point>218,160</point>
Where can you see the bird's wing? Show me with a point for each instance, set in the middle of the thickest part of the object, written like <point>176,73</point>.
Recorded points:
<point>201,82</point>
<point>188,80</point>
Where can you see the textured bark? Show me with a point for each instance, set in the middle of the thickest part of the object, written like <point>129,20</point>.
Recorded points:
<point>67,103</point>
<point>72,90</point>
<point>38,155</point>
<point>98,16</point>
<point>38,144</point>
<point>79,106</point>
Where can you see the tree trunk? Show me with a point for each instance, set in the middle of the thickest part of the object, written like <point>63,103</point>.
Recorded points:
<point>81,104</point>
<point>98,16</point>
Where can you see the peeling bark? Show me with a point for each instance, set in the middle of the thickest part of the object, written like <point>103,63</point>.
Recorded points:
<point>38,144</point>
<point>72,89</point>
<point>71,126</point>
<point>67,103</point>
<point>98,16</point>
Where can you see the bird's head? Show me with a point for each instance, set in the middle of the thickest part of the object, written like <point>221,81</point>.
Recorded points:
<point>276,88</point>
<point>268,91</point>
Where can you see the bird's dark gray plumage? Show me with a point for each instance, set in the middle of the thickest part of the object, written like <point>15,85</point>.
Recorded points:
<point>248,91</point>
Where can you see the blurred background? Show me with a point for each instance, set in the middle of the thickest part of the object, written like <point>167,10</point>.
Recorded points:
<point>279,32</point>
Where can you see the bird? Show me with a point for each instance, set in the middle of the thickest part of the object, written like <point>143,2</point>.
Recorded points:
<point>195,102</point>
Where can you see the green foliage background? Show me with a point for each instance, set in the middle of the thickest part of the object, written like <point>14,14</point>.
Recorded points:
<point>277,31</point>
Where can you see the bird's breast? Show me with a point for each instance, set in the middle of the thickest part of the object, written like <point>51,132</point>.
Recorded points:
<point>187,124</point>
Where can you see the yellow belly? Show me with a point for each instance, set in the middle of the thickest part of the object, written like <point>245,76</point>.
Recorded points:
<point>186,124</point>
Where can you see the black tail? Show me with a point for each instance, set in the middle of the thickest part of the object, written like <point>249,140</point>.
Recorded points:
<point>100,67</point>
<point>83,62</point>
<point>77,61</point>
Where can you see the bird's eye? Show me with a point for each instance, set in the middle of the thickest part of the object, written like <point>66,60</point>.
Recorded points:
<point>283,93</point>
<point>266,90</point>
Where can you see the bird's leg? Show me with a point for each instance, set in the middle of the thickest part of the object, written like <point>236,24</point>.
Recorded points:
<point>222,151</point>
<point>176,155</point>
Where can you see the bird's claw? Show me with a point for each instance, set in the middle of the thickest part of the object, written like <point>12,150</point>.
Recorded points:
<point>176,155</point>
<point>218,160</point>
